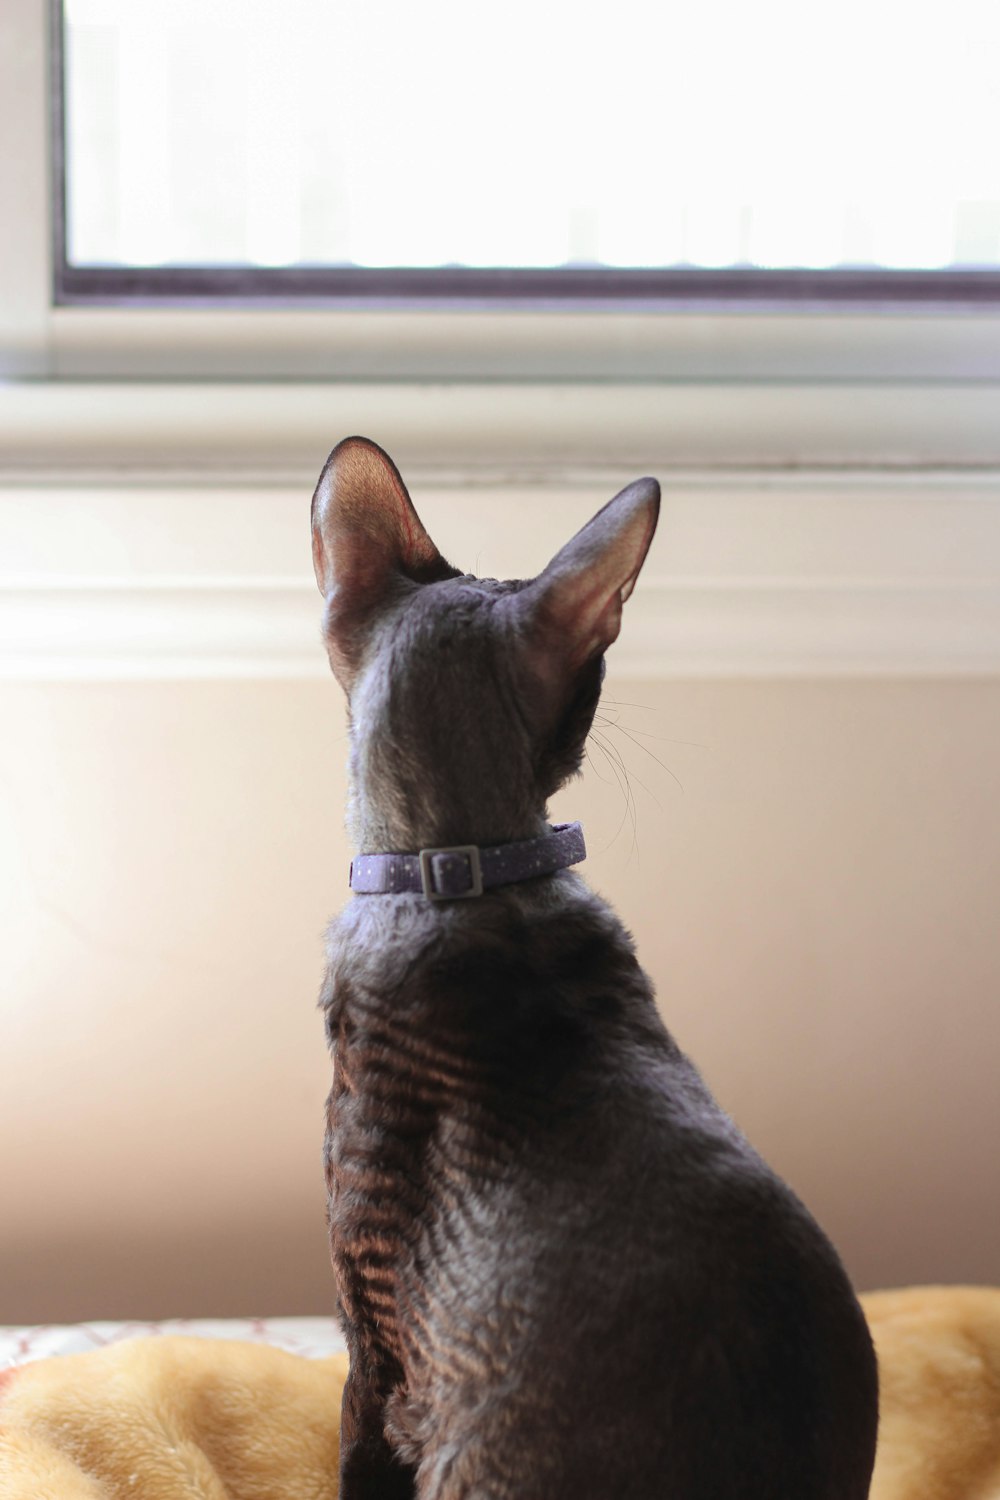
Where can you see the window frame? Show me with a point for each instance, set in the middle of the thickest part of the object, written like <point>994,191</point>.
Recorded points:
<point>870,338</point>
<point>577,288</point>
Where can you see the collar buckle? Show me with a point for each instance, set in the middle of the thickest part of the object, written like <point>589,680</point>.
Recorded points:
<point>451,873</point>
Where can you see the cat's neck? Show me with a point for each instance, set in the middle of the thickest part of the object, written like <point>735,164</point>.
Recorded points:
<point>382,941</point>
<point>408,826</point>
<point>410,791</point>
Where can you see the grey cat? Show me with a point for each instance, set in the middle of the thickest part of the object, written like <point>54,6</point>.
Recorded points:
<point>563,1274</point>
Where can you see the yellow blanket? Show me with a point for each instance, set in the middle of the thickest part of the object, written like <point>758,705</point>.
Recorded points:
<point>196,1419</point>
<point>172,1419</point>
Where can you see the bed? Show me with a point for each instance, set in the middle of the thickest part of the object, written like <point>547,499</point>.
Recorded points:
<point>246,1409</point>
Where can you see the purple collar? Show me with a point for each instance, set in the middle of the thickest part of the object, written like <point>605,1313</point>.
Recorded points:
<point>462,870</point>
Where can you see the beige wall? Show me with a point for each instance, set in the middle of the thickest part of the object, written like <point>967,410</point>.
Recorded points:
<point>813,884</point>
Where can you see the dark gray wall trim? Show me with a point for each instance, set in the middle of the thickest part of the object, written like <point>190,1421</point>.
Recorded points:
<point>692,287</point>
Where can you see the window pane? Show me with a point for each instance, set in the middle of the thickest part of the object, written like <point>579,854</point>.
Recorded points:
<point>389,134</point>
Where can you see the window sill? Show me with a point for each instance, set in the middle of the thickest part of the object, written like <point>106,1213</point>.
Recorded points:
<point>472,431</point>
<point>241,342</point>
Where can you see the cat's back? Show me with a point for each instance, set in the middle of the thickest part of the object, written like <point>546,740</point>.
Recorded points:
<point>608,1323</point>
<point>597,1261</point>
<point>604,1326</point>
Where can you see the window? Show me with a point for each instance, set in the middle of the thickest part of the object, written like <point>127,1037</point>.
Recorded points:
<point>775,152</point>
<point>838,456</point>
<point>228,317</point>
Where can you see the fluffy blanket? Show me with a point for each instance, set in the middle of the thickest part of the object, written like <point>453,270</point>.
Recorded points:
<point>172,1419</point>
<point>193,1419</point>
<point>939,1374</point>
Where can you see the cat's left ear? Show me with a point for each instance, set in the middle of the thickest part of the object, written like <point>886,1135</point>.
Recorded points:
<point>364,525</point>
<point>366,539</point>
<point>572,612</point>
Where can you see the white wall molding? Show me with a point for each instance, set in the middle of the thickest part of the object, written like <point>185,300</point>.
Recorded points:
<point>281,431</point>
<point>710,629</point>
<point>809,574</point>
<point>511,343</point>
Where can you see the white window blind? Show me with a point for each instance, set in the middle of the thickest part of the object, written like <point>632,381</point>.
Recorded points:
<point>314,133</point>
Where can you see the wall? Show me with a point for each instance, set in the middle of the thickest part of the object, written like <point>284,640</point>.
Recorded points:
<point>811,877</point>
<point>813,651</point>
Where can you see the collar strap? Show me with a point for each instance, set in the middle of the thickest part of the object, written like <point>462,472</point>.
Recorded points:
<point>461,870</point>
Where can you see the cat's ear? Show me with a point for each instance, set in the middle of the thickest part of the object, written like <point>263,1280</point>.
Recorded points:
<point>366,536</point>
<point>572,612</point>
<point>364,526</point>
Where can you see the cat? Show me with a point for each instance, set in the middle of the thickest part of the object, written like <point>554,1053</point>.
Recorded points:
<point>562,1272</point>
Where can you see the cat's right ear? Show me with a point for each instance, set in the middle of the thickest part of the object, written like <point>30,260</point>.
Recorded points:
<point>366,536</point>
<point>572,612</point>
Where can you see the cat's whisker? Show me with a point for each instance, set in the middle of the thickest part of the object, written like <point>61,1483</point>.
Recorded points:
<point>646,751</point>
<point>593,765</point>
<point>616,703</point>
<point>617,765</point>
<point>665,739</point>
<point>604,751</point>
<point>623,787</point>
<point>647,789</point>
<point>621,703</point>
<point>630,734</point>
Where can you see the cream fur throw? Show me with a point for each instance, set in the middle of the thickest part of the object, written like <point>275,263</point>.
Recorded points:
<point>196,1419</point>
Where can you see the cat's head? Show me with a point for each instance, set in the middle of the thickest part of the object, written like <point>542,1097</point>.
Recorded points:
<point>470,699</point>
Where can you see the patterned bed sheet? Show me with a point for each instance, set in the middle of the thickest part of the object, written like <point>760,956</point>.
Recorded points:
<point>311,1337</point>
